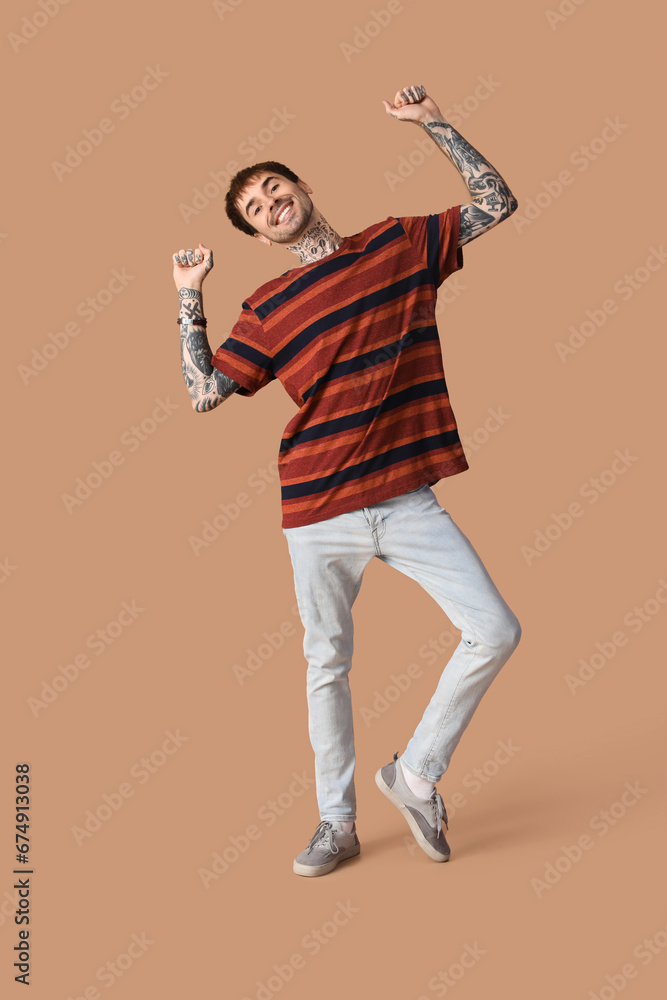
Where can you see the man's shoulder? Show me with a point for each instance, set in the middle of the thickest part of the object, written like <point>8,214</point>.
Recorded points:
<point>266,290</point>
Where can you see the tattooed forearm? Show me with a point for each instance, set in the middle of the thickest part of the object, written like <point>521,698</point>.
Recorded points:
<point>191,304</point>
<point>490,194</point>
<point>207,386</point>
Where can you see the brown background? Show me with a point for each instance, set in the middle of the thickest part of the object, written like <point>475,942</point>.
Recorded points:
<point>68,573</point>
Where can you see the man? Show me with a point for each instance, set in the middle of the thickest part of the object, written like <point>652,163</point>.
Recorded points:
<point>351,334</point>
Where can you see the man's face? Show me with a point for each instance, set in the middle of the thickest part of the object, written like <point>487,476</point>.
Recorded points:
<point>263,201</point>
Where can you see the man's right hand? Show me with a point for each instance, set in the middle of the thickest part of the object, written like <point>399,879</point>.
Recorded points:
<point>192,266</point>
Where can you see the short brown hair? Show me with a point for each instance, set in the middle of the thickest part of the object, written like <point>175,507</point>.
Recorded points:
<point>240,180</point>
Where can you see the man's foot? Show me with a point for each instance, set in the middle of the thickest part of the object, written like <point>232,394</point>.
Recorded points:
<point>329,846</point>
<point>424,816</point>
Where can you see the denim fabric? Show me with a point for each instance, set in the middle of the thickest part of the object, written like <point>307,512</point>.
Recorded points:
<point>417,536</point>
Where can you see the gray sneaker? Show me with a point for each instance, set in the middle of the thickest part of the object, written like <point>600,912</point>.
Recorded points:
<point>424,816</point>
<point>329,846</point>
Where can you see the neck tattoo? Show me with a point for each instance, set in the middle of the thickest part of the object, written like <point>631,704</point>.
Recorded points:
<point>318,242</point>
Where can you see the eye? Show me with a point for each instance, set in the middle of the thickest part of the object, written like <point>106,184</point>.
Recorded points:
<point>273,188</point>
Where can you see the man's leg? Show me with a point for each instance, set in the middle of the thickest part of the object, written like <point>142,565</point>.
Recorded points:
<point>328,559</point>
<point>421,540</point>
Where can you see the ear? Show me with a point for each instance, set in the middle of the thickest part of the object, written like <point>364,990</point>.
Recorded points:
<point>305,186</point>
<point>259,236</point>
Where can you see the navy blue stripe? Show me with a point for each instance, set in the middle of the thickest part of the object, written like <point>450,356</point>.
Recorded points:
<point>375,464</point>
<point>339,424</point>
<point>325,269</point>
<point>247,352</point>
<point>354,310</point>
<point>376,356</point>
<point>432,247</point>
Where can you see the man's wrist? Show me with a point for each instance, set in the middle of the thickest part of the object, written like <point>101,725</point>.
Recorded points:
<point>192,307</point>
<point>436,119</point>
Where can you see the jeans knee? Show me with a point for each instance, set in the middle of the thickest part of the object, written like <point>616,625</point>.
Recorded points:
<point>511,632</point>
<point>322,673</point>
<point>505,635</point>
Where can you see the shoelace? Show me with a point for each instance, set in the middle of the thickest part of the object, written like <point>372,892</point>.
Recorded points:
<point>324,831</point>
<point>439,811</point>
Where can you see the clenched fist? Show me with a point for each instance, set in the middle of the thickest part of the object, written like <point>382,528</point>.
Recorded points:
<point>192,266</point>
<point>412,104</point>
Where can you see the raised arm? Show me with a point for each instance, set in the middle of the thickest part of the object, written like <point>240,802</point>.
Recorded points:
<point>491,200</point>
<point>207,386</point>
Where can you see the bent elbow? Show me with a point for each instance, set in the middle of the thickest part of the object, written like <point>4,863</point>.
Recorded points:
<point>200,405</point>
<point>512,205</point>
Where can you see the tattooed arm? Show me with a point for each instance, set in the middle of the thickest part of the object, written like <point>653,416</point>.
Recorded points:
<point>207,386</point>
<point>491,200</point>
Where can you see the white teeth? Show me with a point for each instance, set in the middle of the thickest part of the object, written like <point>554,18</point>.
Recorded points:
<point>282,213</point>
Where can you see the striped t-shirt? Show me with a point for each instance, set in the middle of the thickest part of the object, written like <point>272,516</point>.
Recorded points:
<point>353,339</point>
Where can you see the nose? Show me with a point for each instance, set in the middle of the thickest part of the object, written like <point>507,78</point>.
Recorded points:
<point>275,204</point>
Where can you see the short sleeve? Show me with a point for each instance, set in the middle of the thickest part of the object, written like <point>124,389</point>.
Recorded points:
<point>435,238</point>
<point>243,355</point>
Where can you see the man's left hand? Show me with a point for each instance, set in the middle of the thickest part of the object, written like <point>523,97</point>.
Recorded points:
<point>412,104</point>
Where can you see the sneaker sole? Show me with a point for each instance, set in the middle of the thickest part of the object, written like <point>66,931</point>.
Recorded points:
<point>412,822</point>
<point>312,870</point>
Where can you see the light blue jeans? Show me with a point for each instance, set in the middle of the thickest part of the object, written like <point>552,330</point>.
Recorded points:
<point>417,536</point>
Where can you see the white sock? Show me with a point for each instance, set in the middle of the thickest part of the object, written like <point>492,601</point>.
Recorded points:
<point>346,825</point>
<point>420,787</point>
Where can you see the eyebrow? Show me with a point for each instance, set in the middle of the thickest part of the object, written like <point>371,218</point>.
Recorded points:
<point>264,185</point>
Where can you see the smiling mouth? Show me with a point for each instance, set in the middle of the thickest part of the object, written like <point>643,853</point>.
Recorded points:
<point>283,214</point>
